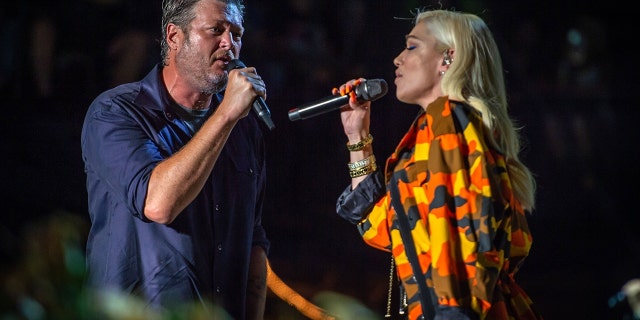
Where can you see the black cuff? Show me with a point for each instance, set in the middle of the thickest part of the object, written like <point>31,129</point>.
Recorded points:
<point>352,205</point>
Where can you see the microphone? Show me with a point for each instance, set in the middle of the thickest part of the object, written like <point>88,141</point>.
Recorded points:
<point>259,106</point>
<point>369,90</point>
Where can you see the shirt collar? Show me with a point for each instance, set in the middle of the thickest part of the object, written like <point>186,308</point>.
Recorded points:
<point>154,95</point>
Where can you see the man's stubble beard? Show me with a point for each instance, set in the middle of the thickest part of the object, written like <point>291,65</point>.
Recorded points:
<point>198,70</point>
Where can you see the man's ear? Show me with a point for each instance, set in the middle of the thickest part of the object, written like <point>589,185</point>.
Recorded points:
<point>174,36</point>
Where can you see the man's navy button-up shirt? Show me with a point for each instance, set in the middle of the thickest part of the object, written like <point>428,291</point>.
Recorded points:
<point>204,253</point>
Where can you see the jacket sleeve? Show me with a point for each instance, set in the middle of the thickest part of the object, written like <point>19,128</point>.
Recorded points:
<point>354,205</point>
<point>367,207</point>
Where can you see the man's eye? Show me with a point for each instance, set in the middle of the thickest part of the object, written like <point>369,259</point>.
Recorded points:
<point>217,30</point>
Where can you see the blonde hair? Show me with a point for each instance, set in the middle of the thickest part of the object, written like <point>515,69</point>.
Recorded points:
<point>476,77</point>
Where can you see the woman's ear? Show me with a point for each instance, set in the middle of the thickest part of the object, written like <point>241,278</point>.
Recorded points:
<point>448,57</point>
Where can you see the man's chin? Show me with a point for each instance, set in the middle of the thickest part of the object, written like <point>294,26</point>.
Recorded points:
<point>217,83</point>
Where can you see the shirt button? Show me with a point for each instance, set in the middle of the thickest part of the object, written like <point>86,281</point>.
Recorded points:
<point>220,247</point>
<point>169,115</point>
<point>251,170</point>
<point>218,289</point>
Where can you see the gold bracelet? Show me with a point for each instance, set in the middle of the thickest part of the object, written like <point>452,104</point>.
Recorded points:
<point>360,144</point>
<point>361,163</point>
<point>363,171</point>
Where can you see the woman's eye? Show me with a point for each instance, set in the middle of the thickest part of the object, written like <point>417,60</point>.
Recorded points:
<point>410,47</point>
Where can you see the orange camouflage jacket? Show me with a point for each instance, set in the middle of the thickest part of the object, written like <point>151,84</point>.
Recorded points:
<point>469,232</point>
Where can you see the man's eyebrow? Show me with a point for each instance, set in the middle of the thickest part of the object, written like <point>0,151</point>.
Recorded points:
<point>229,24</point>
<point>221,22</point>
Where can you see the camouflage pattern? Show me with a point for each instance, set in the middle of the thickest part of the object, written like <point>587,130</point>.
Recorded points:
<point>470,233</point>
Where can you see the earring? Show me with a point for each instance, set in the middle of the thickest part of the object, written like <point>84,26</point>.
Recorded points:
<point>441,72</point>
<point>447,58</point>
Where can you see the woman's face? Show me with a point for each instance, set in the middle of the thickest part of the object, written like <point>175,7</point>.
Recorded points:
<point>417,68</point>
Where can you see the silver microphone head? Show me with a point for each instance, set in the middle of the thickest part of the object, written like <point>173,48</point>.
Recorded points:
<point>371,90</point>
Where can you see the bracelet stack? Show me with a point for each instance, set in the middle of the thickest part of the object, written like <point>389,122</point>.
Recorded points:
<point>361,144</point>
<point>362,167</point>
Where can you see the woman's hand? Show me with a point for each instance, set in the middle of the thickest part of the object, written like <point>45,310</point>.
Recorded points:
<point>356,115</point>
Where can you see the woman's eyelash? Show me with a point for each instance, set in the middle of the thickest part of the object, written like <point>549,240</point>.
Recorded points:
<point>410,47</point>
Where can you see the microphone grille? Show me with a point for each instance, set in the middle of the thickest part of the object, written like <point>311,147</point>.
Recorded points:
<point>373,89</point>
<point>235,64</point>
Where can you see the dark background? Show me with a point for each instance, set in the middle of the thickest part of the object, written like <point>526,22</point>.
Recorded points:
<point>576,116</point>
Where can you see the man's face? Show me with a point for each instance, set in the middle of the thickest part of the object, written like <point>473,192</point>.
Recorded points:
<point>214,33</point>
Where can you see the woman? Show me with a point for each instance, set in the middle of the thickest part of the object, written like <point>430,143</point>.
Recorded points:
<point>461,233</point>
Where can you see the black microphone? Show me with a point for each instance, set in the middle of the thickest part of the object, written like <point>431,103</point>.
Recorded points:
<point>259,106</point>
<point>369,90</point>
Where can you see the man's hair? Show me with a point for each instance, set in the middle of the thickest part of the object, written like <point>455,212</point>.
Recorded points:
<point>180,13</point>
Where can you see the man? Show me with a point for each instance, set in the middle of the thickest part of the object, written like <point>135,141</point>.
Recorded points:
<point>175,170</point>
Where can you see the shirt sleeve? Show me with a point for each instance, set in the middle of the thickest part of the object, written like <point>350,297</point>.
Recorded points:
<point>119,151</point>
